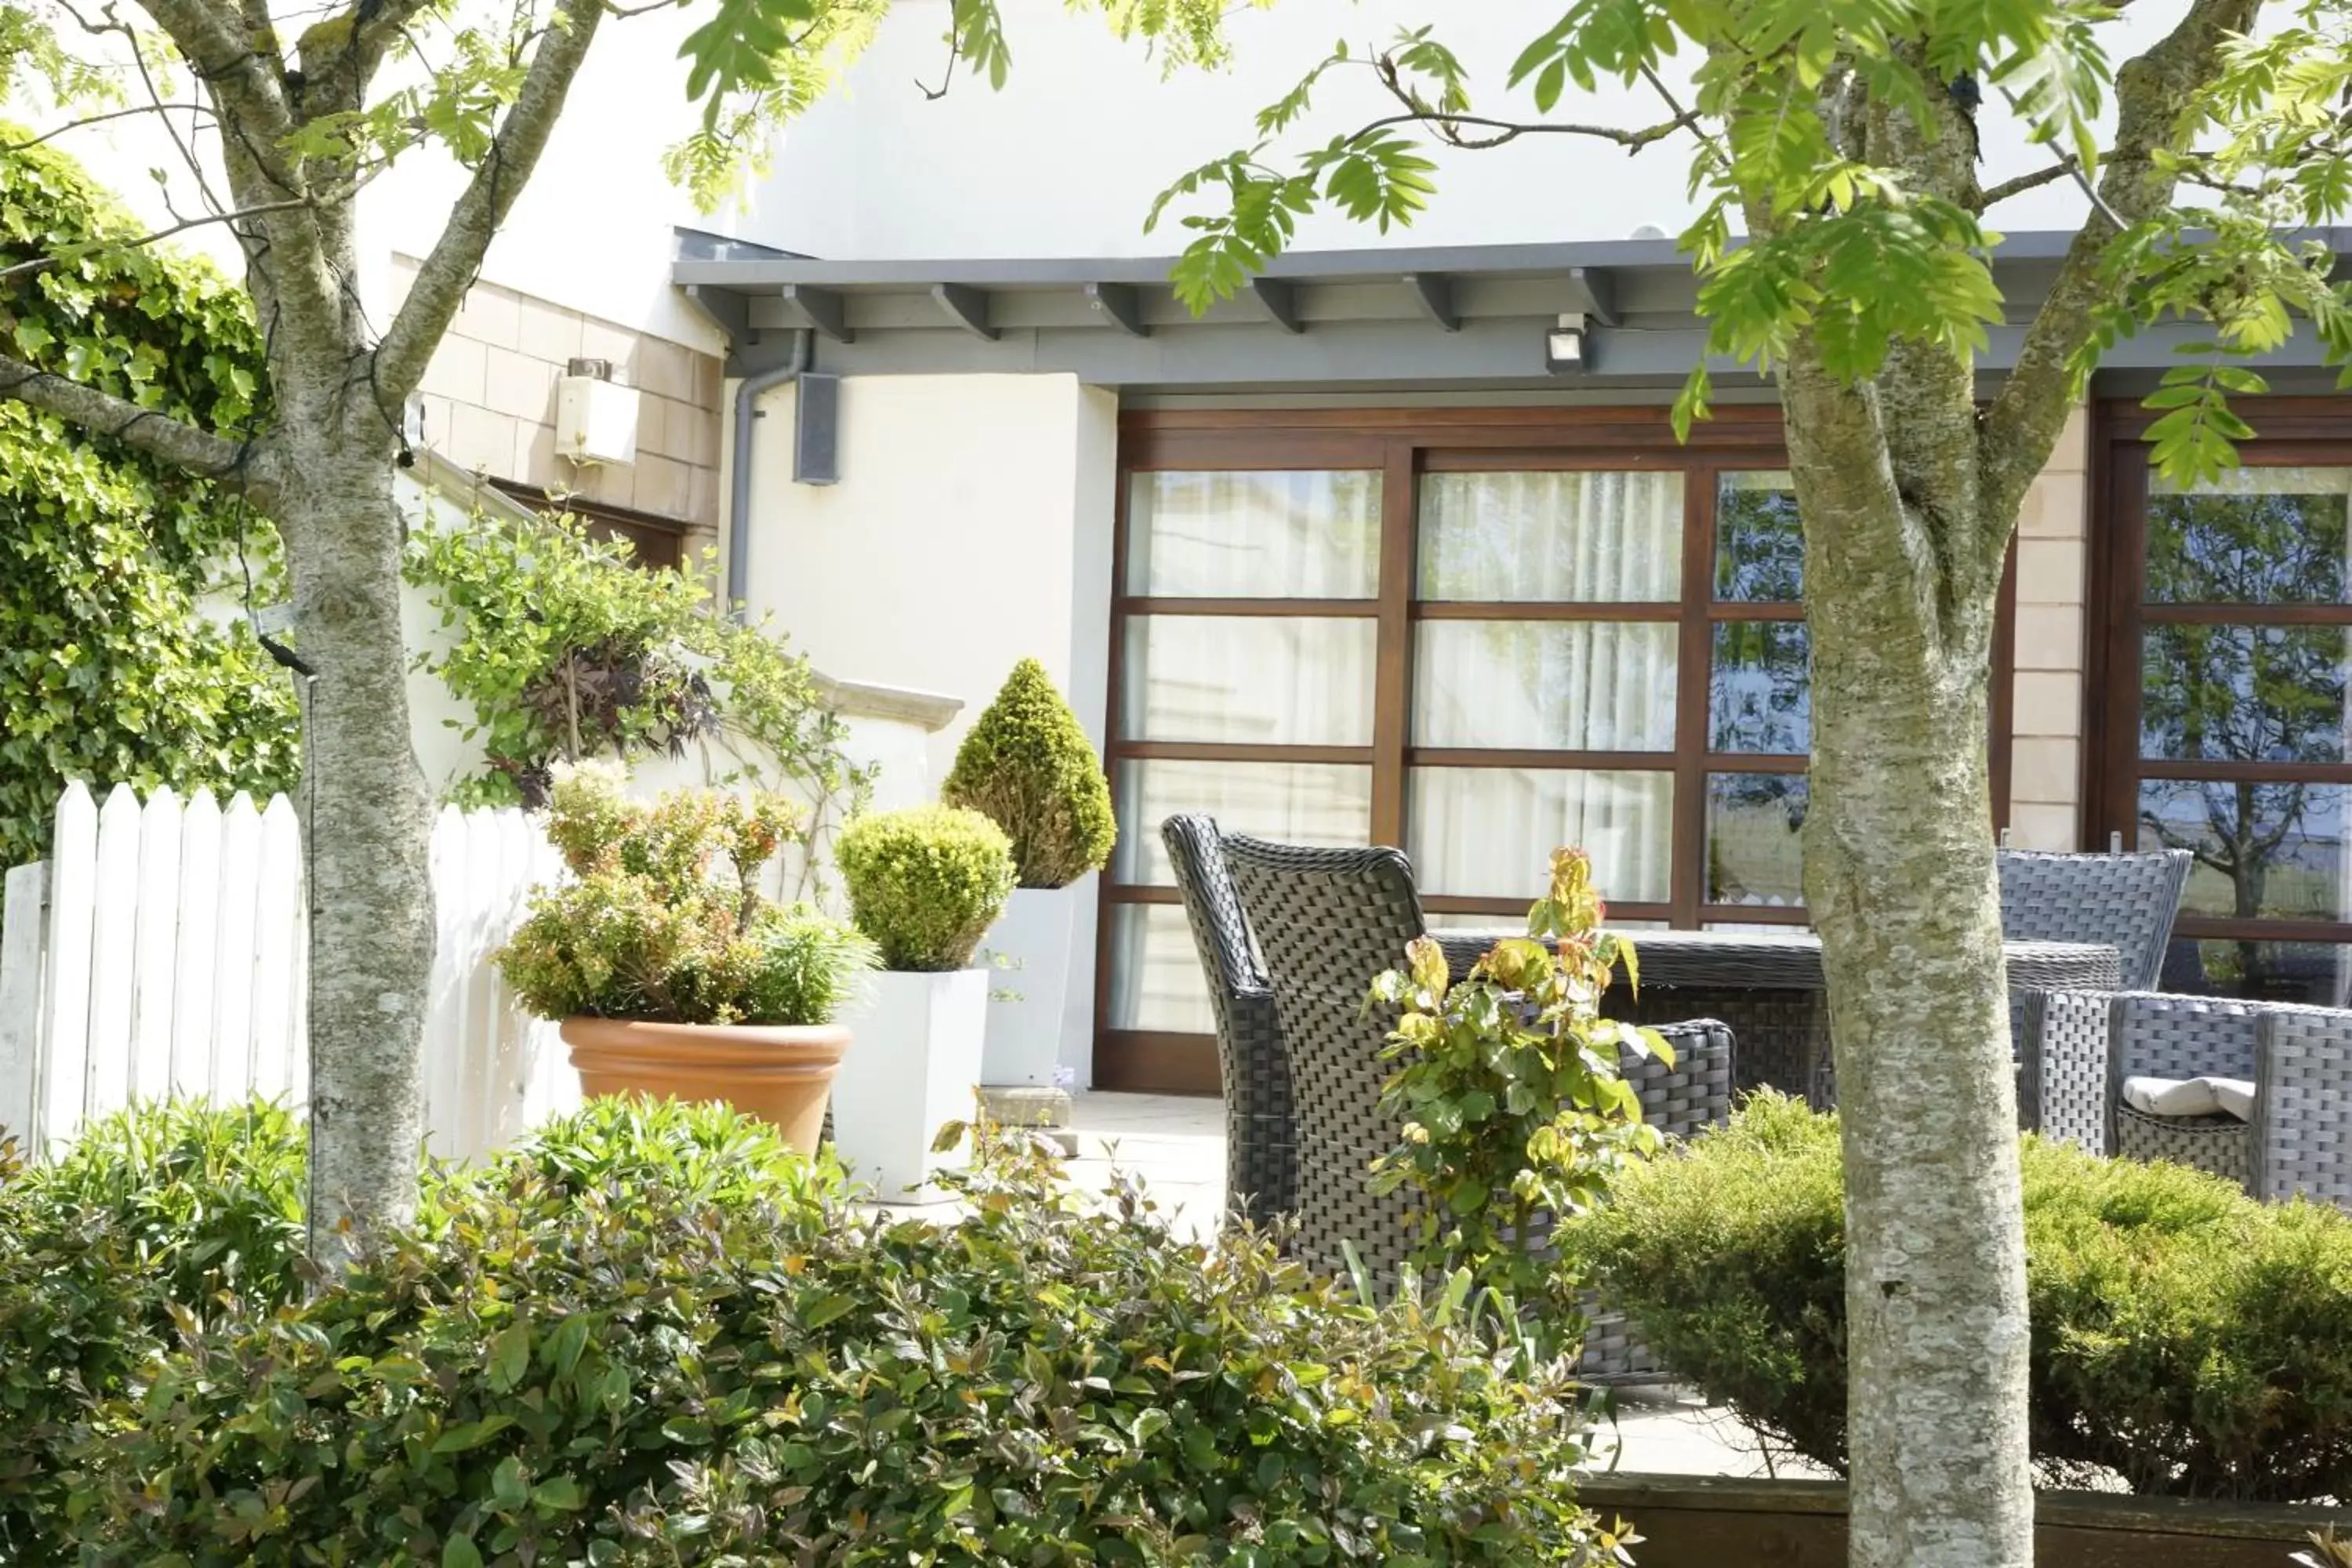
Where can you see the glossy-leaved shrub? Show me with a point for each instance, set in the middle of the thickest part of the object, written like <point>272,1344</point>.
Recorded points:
<point>926,883</point>
<point>2185,1339</point>
<point>1026,764</point>
<point>158,1217</point>
<point>631,1357</point>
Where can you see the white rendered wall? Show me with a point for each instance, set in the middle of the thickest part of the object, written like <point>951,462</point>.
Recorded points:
<point>1066,159</point>
<point>972,528</point>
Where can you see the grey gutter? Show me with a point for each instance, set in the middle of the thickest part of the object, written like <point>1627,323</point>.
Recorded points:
<point>748,393</point>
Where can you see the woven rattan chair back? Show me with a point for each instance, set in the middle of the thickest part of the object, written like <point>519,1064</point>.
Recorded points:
<point>1261,1161</point>
<point>2124,900</point>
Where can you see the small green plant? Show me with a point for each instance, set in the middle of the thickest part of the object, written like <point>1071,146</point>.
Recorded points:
<point>2187,1340</point>
<point>926,883</point>
<point>664,919</point>
<point>1508,1086</point>
<point>1026,764</point>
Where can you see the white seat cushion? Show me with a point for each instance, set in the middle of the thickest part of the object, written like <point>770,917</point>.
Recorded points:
<point>2191,1097</point>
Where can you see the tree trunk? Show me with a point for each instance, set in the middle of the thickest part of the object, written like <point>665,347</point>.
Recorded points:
<point>368,821</point>
<point>1900,878</point>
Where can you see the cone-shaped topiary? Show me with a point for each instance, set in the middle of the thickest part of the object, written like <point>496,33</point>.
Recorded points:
<point>925,883</point>
<point>1027,764</point>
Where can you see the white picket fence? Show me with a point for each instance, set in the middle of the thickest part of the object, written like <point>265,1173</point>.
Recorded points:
<point>162,949</point>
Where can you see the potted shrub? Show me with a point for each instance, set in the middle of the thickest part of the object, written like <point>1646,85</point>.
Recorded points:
<point>1027,765</point>
<point>924,886</point>
<point>671,975</point>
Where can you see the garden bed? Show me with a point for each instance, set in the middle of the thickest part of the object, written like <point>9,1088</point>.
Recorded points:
<point>1709,1521</point>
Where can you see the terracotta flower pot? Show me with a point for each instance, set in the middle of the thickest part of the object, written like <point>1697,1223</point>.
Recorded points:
<point>781,1073</point>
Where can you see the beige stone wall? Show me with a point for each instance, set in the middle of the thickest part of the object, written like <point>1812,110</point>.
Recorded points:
<point>489,405</point>
<point>2046,719</point>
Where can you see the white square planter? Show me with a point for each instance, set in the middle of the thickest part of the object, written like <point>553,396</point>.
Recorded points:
<point>911,1068</point>
<point>1030,948</point>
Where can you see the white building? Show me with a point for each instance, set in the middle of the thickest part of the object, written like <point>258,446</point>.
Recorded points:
<point>1344,558</point>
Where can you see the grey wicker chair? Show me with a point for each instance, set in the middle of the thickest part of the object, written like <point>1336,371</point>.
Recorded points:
<point>2125,900</point>
<point>1261,1166</point>
<point>1327,922</point>
<point>2299,1060</point>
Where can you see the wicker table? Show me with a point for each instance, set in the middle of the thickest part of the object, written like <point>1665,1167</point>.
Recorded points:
<point>1769,988</point>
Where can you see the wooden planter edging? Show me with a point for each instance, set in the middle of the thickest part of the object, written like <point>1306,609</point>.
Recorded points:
<point>1718,1521</point>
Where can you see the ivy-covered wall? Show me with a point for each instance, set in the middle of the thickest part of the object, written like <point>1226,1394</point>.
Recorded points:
<point>109,671</point>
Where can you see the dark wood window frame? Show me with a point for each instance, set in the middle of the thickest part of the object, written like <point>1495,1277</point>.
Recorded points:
<point>657,541</point>
<point>2290,431</point>
<point>1402,445</point>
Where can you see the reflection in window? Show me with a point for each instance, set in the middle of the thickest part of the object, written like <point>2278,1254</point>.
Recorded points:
<point>1255,535</point>
<point>1577,686</point>
<point>2312,973</point>
<point>1490,832</point>
<point>1292,803</point>
<point>1586,538</point>
<point>1754,823</point>
<point>1759,545</point>
<point>1758,696</point>
<point>1155,979</point>
<point>1249,680</point>
<point>2255,536</point>
<point>2262,849</point>
<point>2246,694</point>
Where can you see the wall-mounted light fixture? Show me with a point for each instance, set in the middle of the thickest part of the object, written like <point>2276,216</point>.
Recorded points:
<point>1567,347</point>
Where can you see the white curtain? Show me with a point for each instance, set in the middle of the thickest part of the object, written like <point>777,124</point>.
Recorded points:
<point>1586,538</point>
<point>1490,832</point>
<point>1578,685</point>
<point>1293,803</point>
<point>1261,679</point>
<point>1311,535</point>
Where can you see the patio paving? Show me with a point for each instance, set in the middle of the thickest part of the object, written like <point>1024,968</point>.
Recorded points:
<point>1177,1144</point>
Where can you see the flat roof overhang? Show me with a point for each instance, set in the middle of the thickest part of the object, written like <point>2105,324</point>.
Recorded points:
<point>1437,318</point>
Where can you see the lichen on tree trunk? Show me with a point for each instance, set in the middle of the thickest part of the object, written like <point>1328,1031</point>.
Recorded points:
<point>1900,880</point>
<point>367,826</point>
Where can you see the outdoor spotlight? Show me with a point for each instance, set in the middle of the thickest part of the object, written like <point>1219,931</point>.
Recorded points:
<point>1564,346</point>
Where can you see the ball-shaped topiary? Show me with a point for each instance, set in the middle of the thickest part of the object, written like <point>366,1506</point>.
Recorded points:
<point>925,884</point>
<point>1026,764</point>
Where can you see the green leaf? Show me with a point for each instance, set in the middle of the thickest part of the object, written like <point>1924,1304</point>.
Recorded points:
<point>510,1356</point>
<point>459,1552</point>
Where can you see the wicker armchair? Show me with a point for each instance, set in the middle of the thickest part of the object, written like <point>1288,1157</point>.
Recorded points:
<point>2123,900</point>
<point>1327,922</point>
<point>2299,1060</point>
<point>1261,1166</point>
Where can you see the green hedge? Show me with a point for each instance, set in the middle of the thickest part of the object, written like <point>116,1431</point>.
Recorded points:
<point>2186,1338</point>
<point>1026,764</point>
<point>653,1335</point>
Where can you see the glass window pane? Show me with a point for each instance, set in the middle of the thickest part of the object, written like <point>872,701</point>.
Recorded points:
<point>1753,824</point>
<point>1155,971</point>
<point>1758,693</point>
<point>1266,681</point>
<point>2255,536</point>
<point>1759,546</point>
<point>2313,974</point>
<point>1577,686</point>
<point>2275,849</point>
<point>1293,803</point>
<point>1255,535</point>
<point>2275,694</point>
<point>1490,832</point>
<point>1587,538</point>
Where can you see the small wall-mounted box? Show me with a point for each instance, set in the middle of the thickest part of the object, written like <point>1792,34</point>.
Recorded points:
<point>595,416</point>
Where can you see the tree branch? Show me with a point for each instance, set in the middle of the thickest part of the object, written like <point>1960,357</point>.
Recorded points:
<point>89,119</point>
<point>233,69</point>
<point>157,435</point>
<point>2021,427</point>
<point>442,281</point>
<point>1512,130</point>
<point>43,263</point>
<point>2024,183</point>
